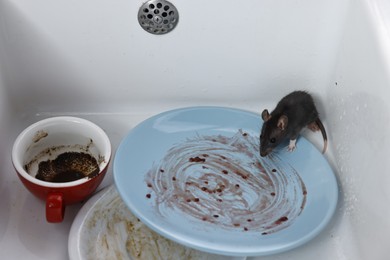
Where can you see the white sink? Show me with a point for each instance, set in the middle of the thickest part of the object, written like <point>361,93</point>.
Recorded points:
<point>93,60</point>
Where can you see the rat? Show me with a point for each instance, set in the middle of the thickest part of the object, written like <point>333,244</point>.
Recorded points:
<point>293,112</point>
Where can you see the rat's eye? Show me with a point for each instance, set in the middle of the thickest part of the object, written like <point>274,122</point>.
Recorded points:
<point>273,140</point>
<point>261,136</point>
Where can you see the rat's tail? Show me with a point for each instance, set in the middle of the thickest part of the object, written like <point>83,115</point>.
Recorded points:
<point>323,132</point>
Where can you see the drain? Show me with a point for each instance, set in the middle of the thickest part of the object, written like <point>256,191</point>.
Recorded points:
<point>158,16</point>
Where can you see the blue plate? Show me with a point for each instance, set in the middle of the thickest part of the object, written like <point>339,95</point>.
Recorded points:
<point>195,176</point>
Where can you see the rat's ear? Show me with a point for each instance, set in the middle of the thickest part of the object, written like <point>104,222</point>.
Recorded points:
<point>265,115</point>
<point>282,122</point>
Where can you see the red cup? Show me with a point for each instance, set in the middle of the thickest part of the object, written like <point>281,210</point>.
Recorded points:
<point>44,141</point>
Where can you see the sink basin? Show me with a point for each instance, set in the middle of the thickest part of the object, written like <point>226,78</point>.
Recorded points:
<point>93,60</point>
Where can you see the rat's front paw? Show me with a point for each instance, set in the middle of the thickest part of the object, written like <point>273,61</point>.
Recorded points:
<point>291,146</point>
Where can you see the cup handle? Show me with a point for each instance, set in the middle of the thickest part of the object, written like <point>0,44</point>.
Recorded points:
<point>55,207</point>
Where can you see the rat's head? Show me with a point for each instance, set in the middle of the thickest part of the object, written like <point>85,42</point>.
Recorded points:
<point>273,132</point>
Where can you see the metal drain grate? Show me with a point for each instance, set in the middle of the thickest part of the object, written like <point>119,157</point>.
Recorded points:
<point>158,16</point>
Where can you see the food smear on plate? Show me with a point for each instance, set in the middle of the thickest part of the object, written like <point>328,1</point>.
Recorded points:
<point>111,231</point>
<point>222,180</point>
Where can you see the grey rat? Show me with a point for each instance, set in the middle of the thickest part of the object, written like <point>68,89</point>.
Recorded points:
<point>293,112</point>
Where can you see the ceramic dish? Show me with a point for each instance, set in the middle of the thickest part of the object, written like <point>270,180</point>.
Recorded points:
<point>195,176</point>
<point>105,229</point>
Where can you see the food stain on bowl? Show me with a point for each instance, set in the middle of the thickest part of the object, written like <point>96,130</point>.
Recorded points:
<point>223,181</point>
<point>39,135</point>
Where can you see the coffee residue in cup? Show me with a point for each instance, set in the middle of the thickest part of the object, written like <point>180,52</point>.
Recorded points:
<point>68,166</point>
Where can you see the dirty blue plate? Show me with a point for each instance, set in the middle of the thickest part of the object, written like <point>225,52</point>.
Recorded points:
<point>194,175</point>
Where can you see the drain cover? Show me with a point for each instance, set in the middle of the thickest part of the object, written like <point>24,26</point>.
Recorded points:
<point>158,17</point>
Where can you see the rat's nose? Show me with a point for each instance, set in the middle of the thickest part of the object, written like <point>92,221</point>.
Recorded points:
<point>263,153</point>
